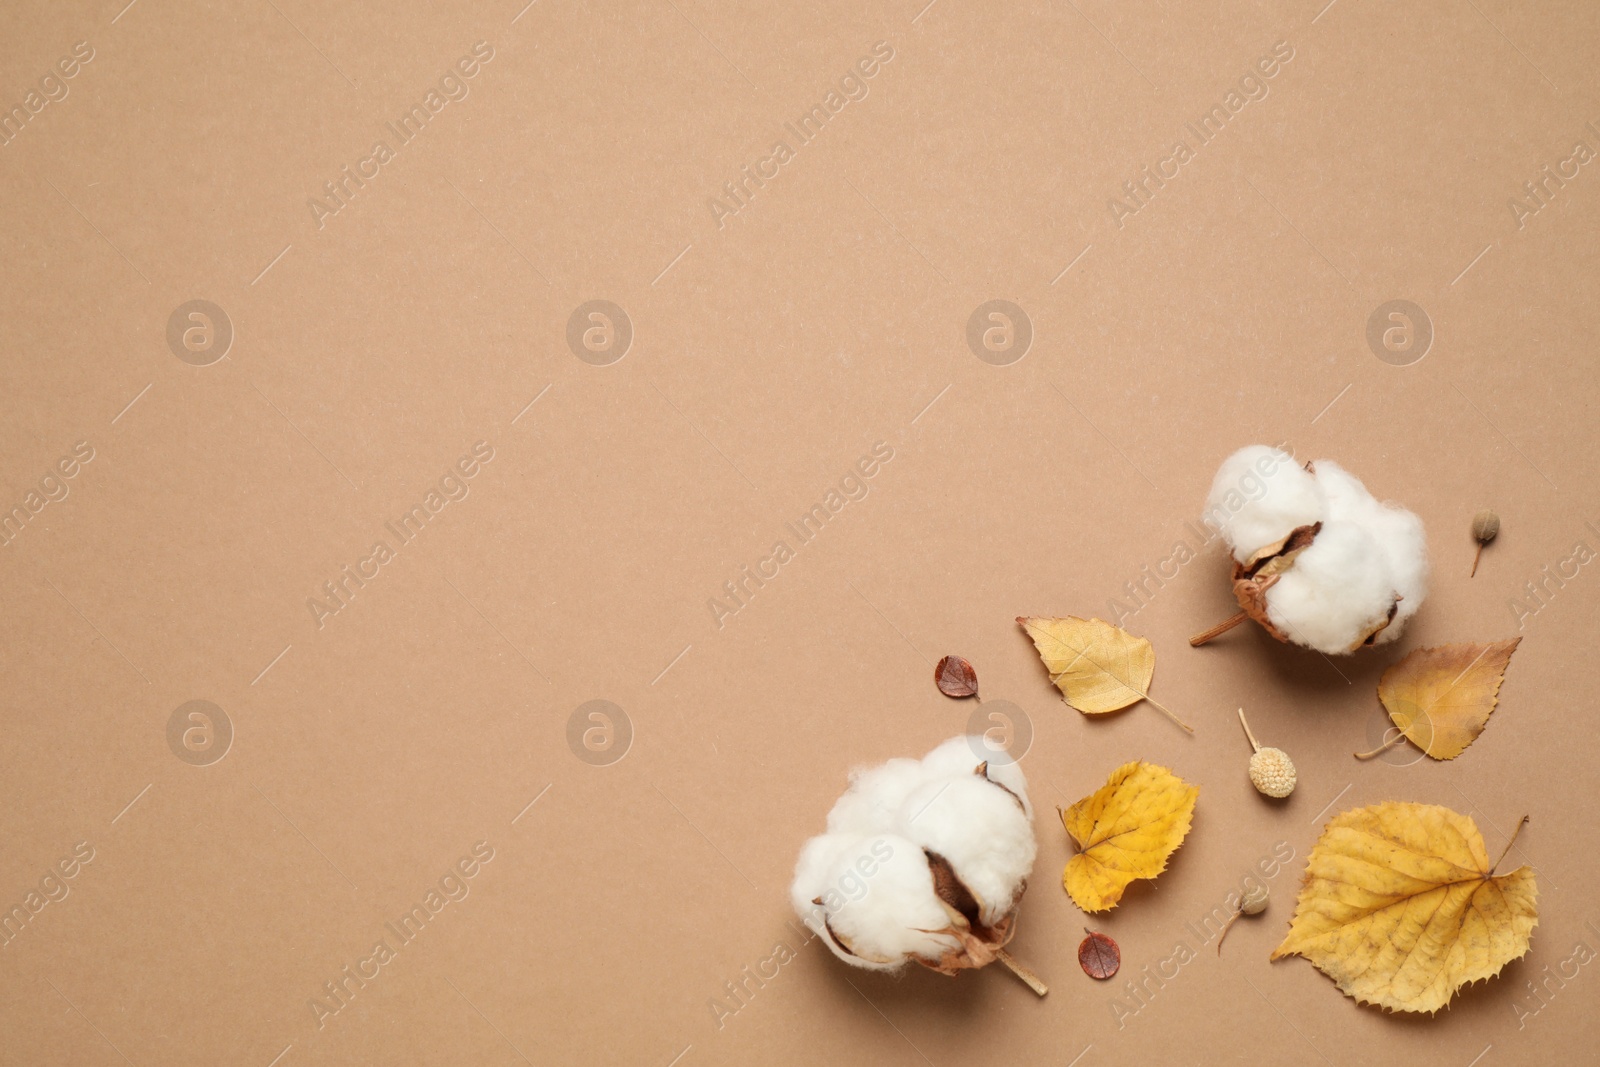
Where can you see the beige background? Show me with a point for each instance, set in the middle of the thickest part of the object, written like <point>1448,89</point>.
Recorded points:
<point>769,354</point>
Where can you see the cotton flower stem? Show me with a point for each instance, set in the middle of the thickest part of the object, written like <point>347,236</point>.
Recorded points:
<point>1513,841</point>
<point>1383,747</point>
<point>1021,972</point>
<point>1168,712</point>
<point>1218,630</point>
<point>1475,557</point>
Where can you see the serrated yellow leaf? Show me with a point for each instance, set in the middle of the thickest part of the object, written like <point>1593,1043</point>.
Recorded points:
<point>1401,907</point>
<point>1098,667</point>
<point>1441,698</point>
<point>1125,830</point>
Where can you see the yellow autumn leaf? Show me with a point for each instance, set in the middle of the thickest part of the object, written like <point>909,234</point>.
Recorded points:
<point>1401,907</point>
<point>1125,830</point>
<point>1098,667</point>
<point>1440,699</point>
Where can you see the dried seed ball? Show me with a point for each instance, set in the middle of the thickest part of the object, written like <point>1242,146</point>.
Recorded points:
<point>1255,900</point>
<point>1272,772</point>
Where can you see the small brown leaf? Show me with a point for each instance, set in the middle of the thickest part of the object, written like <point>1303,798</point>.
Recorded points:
<point>956,678</point>
<point>1098,955</point>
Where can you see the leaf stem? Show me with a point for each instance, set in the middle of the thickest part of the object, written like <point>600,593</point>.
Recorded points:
<point>1381,749</point>
<point>1513,841</point>
<point>1218,630</point>
<point>1021,972</point>
<point>1168,712</point>
<point>1248,734</point>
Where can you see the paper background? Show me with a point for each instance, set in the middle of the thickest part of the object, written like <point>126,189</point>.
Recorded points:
<point>771,348</point>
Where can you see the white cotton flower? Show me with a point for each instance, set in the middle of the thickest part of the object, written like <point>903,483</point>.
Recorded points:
<point>1398,532</point>
<point>1259,496</point>
<point>974,825</point>
<point>1318,561</point>
<point>961,756</point>
<point>874,796</point>
<point>924,860</point>
<point>878,902</point>
<point>1337,592</point>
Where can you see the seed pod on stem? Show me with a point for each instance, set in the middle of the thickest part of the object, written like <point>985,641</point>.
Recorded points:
<point>1271,770</point>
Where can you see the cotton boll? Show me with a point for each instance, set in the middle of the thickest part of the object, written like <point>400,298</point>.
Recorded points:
<point>813,873</point>
<point>1347,497</point>
<point>1259,496</point>
<point>924,860</point>
<point>1317,560</point>
<point>962,755</point>
<point>984,832</point>
<point>1338,591</point>
<point>875,793</point>
<point>1406,545</point>
<point>878,906</point>
<point>1009,774</point>
<point>1397,532</point>
<point>959,755</point>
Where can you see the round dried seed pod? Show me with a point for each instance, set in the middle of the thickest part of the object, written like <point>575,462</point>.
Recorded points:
<point>1255,900</point>
<point>1271,770</point>
<point>1485,528</point>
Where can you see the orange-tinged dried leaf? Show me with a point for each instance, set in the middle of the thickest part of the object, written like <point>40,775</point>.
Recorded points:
<point>1441,698</point>
<point>1401,907</point>
<point>1098,667</point>
<point>955,677</point>
<point>1125,830</point>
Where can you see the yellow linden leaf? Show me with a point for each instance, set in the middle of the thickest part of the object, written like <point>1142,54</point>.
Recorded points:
<point>1125,830</point>
<point>1097,667</point>
<point>1401,907</point>
<point>1441,698</point>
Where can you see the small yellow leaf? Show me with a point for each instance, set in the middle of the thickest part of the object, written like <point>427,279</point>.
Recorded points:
<point>1441,698</point>
<point>1097,667</point>
<point>1401,907</point>
<point>1125,830</point>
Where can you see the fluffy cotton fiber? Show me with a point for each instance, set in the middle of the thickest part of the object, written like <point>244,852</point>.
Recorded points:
<point>1368,559</point>
<point>923,860</point>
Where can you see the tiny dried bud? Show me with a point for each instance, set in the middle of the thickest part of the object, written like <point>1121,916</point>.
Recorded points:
<point>1485,527</point>
<point>1255,900</point>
